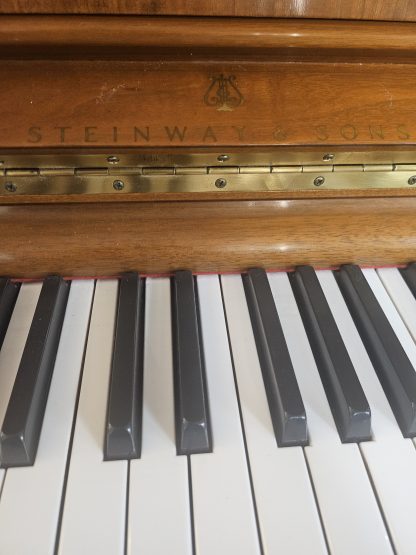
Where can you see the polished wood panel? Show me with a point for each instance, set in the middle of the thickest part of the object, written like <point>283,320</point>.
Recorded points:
<point>143,104</point>
<point>407,192</point>
<point>396,10</point>
<point>79,240</point>
<point>50,37</point>
<point>115,83</point>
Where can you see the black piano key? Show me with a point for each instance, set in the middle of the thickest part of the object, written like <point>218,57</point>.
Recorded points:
<point>8,296</point>
<point>394,369</point>
<point>193,430</point>
<point>19,436</point>
<point>409,275</point>
<point>345,395</point>
<point>124,412</point>
<point>285,402</point>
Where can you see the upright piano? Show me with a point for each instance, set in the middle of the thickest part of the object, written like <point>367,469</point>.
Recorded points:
<point>208,301</point>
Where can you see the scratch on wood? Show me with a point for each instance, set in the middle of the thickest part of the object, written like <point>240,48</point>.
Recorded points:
<point>108,93</point>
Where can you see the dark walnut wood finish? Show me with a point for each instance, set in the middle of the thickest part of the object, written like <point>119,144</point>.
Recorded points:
<point>395,10</point>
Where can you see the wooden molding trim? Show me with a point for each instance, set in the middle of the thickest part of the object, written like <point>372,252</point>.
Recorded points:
<point>107,239</point>
<point>53,37</point>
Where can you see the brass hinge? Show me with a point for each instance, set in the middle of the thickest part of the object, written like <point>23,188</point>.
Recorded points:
<point>245,178</point>
<point>201,170</point>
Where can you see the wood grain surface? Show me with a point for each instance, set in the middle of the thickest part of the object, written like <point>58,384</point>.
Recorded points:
<point>97,240</point>
<point>96,82</point>
<point>163,38</point>
<point>396,10</point>
<point>143,104</point>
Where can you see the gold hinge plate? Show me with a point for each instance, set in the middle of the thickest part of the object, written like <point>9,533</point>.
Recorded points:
<point>54,176</point>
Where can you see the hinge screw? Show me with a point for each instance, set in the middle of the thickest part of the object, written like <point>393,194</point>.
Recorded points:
<point>118,185</point>
<point>318,181</point>
<point>412,180</point>
<point>328,157</point>
<point>113,160</point>
<point>221,183</point>
<point>223,158</point>
<point>10,187</point>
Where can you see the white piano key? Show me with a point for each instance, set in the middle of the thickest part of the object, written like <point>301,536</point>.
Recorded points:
<point>14,343</point>
<point>93,519</point>
<point>390,458</point>
<point>349,510</point>
<point>398,305</point>
<point>224,515</point>
<point>383,422</point>
<point>31,497</point>
<point>288,517</point>
<point>159,508</point>
<point>401,296</point>
<point>392,313</point>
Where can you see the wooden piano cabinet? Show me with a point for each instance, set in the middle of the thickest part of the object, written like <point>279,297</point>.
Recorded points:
<point>398,10</point>
<point>109,238</point>
<point>120,82</point>
<point>101,85</point>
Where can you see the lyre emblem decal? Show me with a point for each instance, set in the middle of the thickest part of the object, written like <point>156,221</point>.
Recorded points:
<point>223,93</point>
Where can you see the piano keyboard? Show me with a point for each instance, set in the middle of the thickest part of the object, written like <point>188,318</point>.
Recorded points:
<point>264,413</point>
